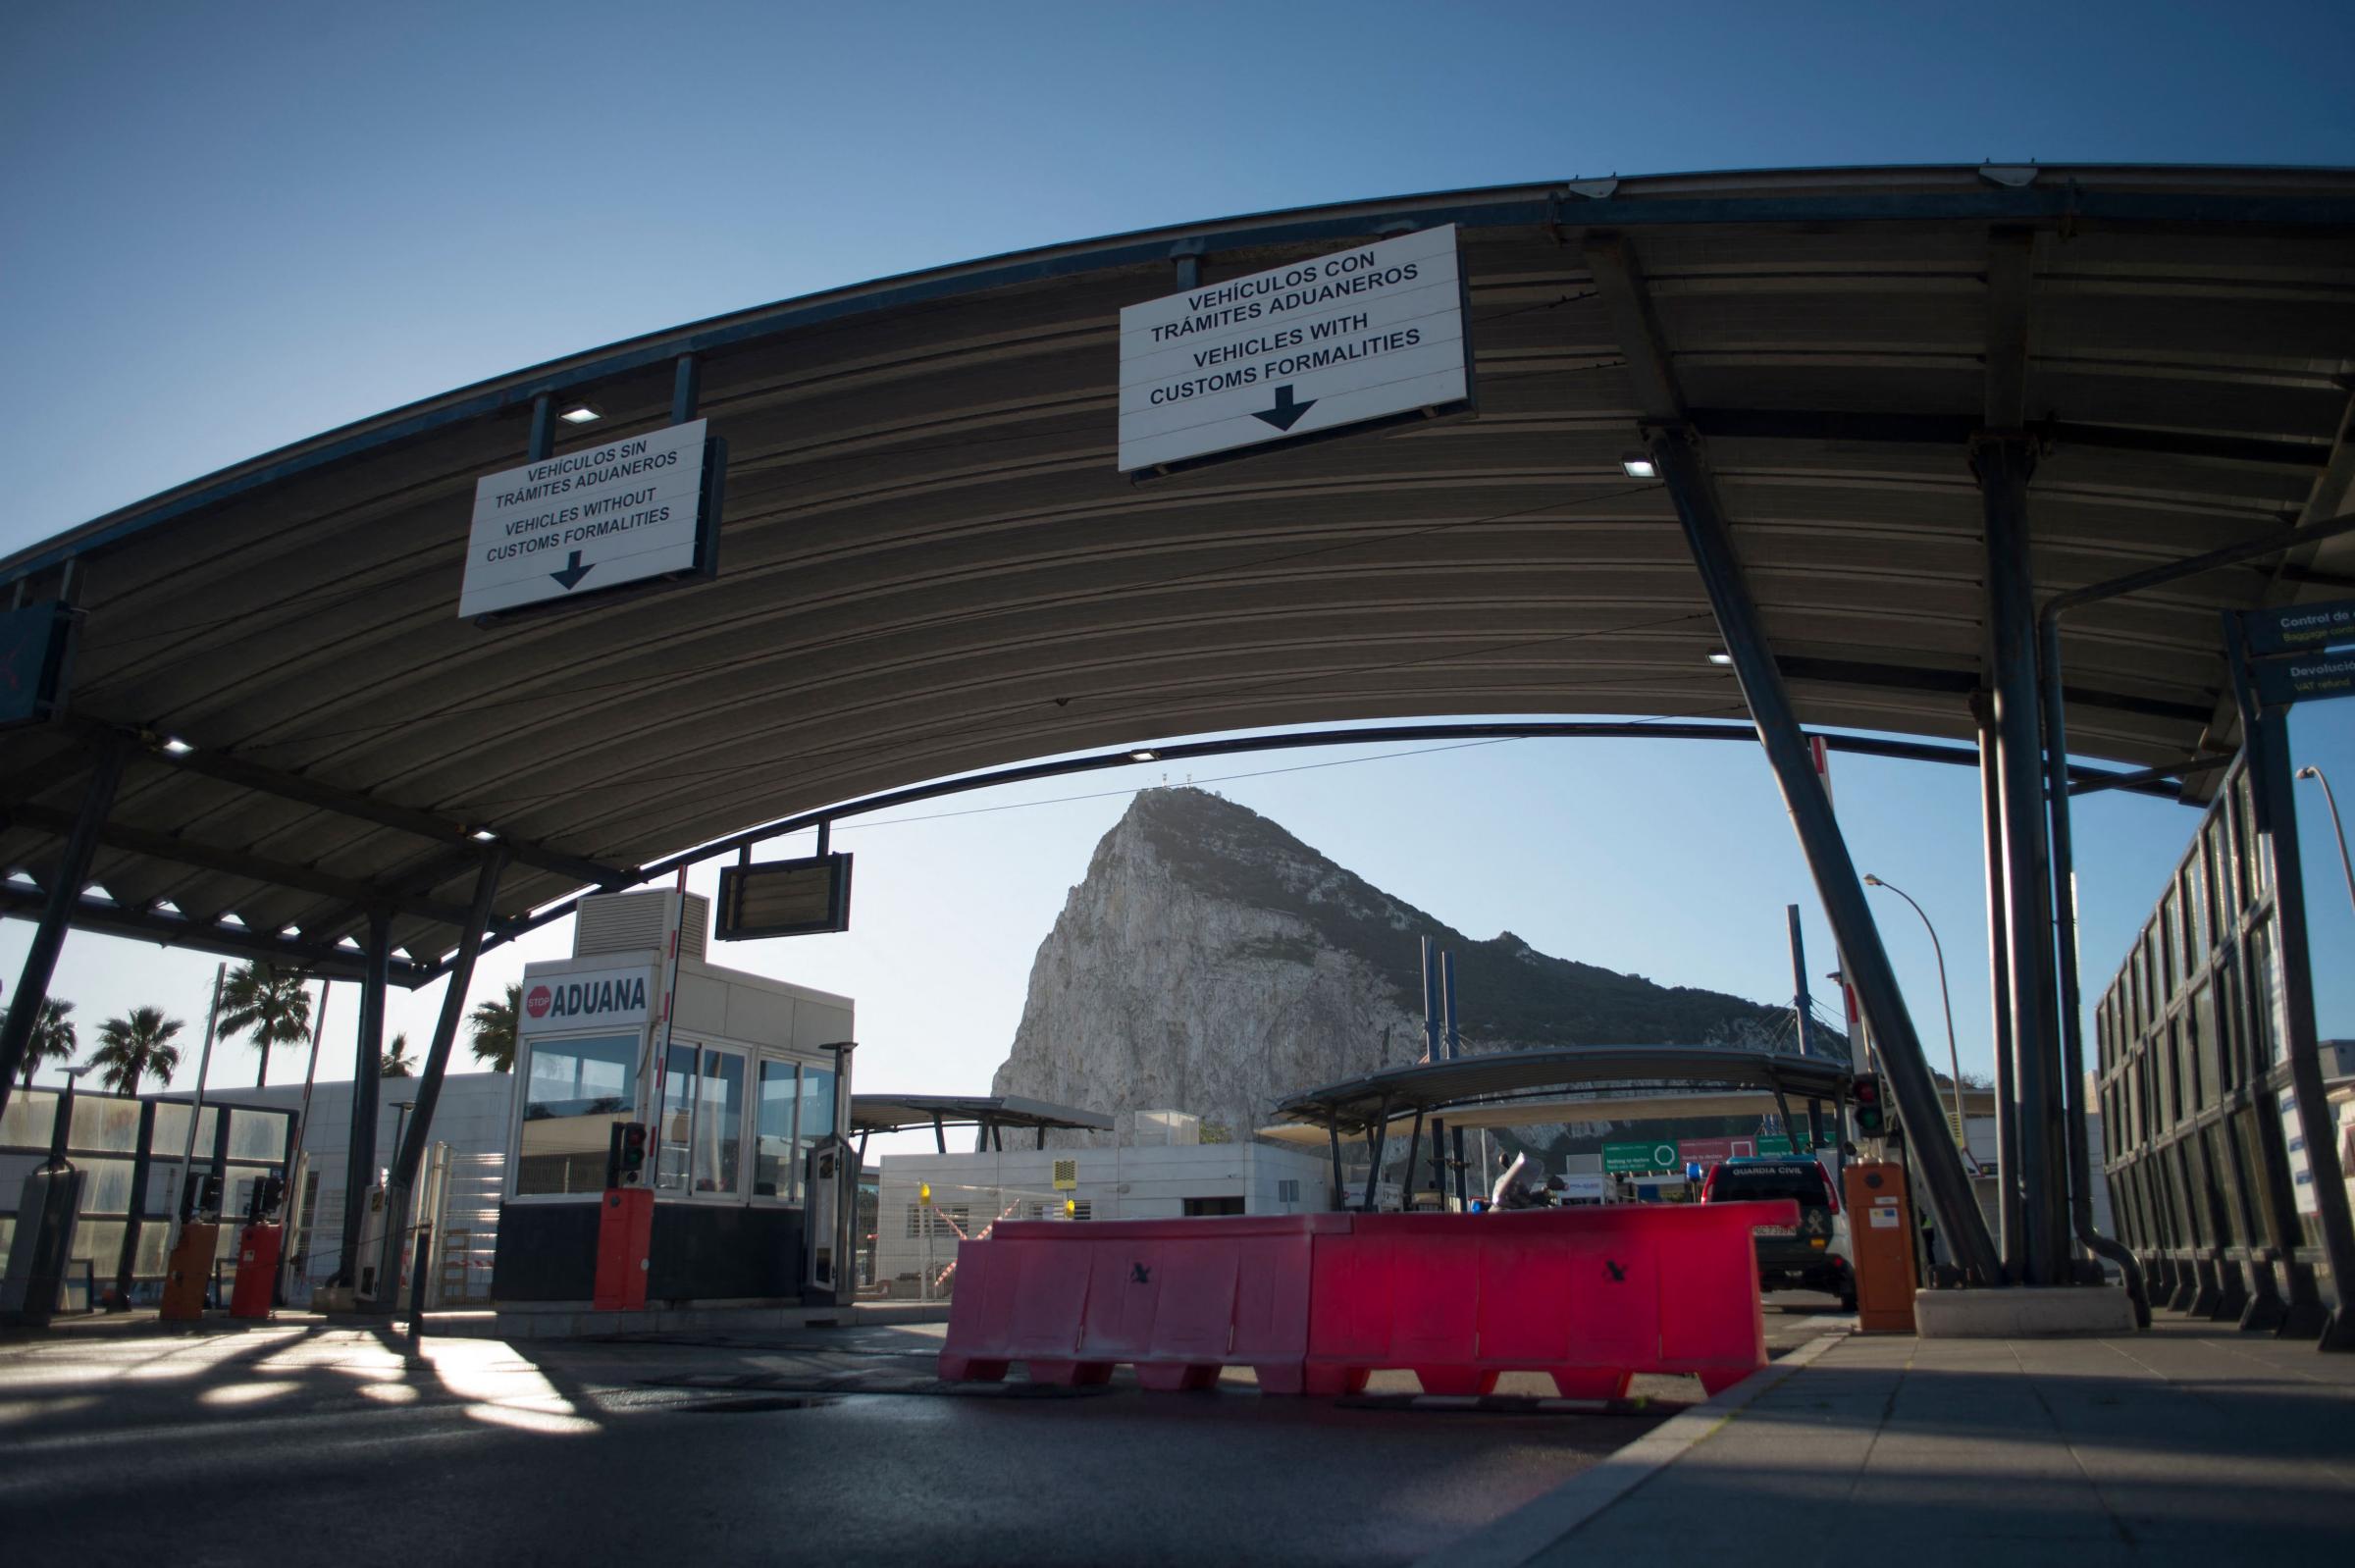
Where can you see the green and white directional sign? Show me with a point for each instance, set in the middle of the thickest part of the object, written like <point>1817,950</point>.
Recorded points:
<point>2300,628</point>
<point>1637,1158</point>
<point>1369,333</point>
<point>2305,677</point>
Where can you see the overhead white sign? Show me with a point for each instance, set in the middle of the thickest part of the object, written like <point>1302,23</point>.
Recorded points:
<point>1361,333</point>
<point>592,519</point>
<point>589,999</point>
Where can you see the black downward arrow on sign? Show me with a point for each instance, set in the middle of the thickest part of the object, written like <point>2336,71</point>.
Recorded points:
<point>1287,413</point>
<point>573,572</point>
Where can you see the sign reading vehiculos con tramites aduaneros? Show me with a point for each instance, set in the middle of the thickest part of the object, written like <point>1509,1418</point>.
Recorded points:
<point>1359,334</point>
<point>591,999</point>
<point>621,512</point>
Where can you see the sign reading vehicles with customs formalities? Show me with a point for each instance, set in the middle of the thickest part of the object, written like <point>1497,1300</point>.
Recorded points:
<point>1365,334</point>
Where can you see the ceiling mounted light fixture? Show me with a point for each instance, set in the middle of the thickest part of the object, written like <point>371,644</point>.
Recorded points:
<point>1141,754</point>
<point>582,414</point>
<point>1638,466</point>
<point>1718,656</point>
<point>484,835</point>
<point>174,746</point>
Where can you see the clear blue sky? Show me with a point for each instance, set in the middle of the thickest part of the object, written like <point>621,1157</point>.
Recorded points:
<point>222,229</point>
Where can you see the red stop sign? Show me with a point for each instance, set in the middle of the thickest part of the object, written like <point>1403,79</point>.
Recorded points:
<point>536,1003</point>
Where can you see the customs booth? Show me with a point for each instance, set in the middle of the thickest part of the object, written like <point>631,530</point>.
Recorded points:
<point>744,1092</point>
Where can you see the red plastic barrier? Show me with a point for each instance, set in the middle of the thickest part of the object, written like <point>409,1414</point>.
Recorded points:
<point>1589,1296</point>
<point>1177,1299</point>
<point>1314,1303</point>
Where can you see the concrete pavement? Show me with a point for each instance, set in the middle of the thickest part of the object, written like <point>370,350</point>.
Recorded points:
<point>306,1441</point>
<point>303,1441</point>
<point>2193,1443</point>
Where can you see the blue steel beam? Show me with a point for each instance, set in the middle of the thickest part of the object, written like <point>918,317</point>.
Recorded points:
<point>1864,960</point>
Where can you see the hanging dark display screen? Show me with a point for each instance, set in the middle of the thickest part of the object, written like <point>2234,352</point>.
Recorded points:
<point>784,898</point>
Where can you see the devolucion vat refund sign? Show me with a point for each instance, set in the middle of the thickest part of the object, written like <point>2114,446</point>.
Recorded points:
<point>1340,339</point>
<point>2306,677</point>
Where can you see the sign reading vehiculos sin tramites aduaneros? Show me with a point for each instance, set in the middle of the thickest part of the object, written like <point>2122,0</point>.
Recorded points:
<point>629,509</point>
<point>1359,334</point>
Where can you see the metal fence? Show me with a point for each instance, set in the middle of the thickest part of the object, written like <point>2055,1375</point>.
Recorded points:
<point>2198,1104</point>
<point>921,1226</point>
<point>131,1151</point>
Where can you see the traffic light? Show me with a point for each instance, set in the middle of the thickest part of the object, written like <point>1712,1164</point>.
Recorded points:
<point>1872,1116</point>
<point>625,1155</point>
<point>269,1195</point>
<point>201,1197</point>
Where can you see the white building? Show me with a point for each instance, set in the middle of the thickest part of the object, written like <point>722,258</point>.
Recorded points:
<point>472,1118</point>
<point>926,1203</point>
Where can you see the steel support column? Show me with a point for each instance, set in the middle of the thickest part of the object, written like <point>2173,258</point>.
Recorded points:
<point>1836,880</point>
<point>2003,462</point>
<point>1802,1004</point>
<point>2064,959</point>
<point>127,1258</point>
<point>65,882</point>
<point>1435,1049</point>
<point>367,1072</point>
<point>1999,988</point>
<point>1454,1042</point>
<point>1414,1148</point>
<point>411,1157</point>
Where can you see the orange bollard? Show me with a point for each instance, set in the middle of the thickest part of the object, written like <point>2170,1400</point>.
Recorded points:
<point>257,1271</point>
<point>187,1271</point>
<point>1880,1235</point>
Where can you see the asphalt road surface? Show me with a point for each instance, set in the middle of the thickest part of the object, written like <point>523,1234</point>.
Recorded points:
<point>297,1442</point>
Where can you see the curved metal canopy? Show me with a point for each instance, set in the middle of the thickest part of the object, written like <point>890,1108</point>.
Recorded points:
<point>1431,1087</point>
<point>899,1113</point>
<point>931,564</point>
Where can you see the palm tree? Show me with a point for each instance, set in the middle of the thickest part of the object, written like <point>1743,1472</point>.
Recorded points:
<point>135,1046</point>
<point>395,1062</point>
<point>492,1030</point>
<point>274,1008</point>
<point>52,1037</point>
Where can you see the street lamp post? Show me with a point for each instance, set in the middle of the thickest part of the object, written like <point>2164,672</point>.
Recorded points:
<point>1954,1059</point>
<point>2336,826</point>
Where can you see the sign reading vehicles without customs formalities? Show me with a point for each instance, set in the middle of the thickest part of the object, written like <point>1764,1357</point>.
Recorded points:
<point>627,511</point>
<point>1363,334</point>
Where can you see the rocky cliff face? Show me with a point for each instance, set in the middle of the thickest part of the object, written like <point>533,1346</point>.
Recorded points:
<point>1212,962</point>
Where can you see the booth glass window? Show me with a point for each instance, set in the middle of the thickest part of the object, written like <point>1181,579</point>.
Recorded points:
<point>702,1109</point>
<point>777,1171</point>
<point>574,1091</point>
<point>817,1107</point>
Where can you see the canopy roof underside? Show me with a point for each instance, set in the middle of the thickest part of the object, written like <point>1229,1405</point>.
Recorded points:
<point>1631,1078</point>
<point>931,564</point>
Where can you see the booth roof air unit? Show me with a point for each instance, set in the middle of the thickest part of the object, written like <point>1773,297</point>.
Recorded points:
<point>639,922</point>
